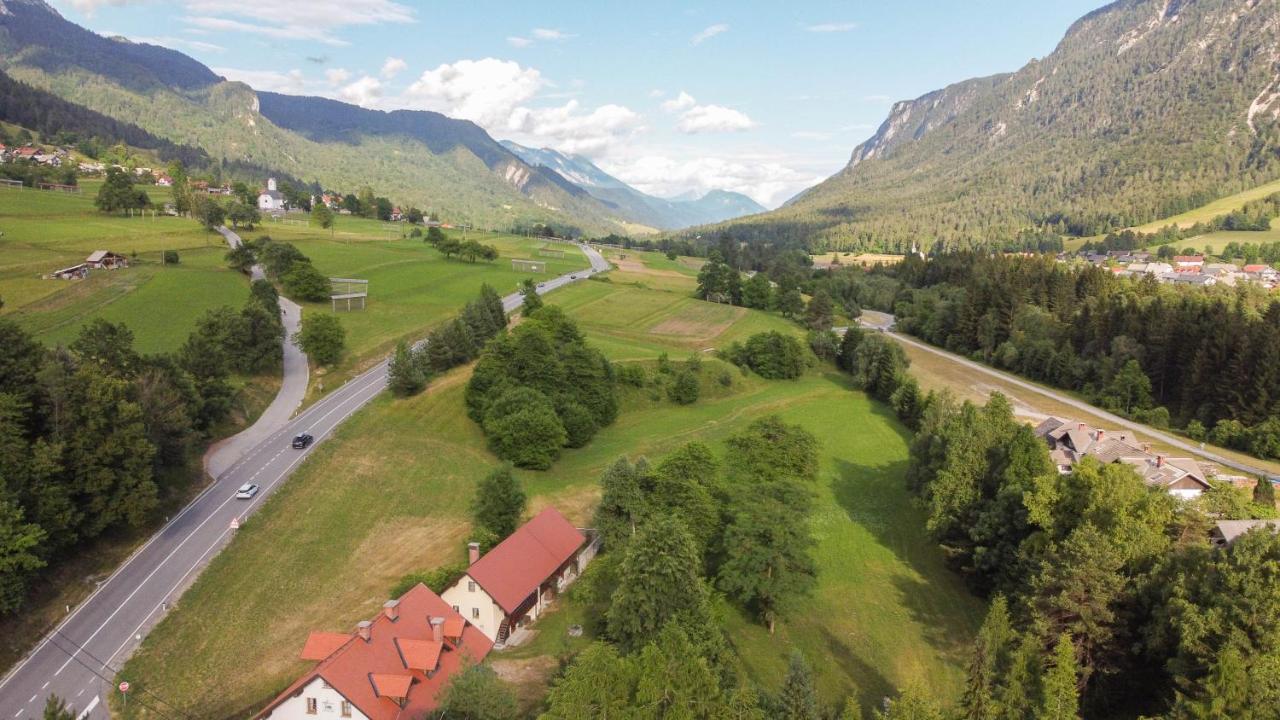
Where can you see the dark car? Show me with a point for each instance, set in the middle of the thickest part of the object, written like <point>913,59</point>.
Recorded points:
<point>302,441</point>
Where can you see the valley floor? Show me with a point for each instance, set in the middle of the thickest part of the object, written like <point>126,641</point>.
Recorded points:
<point>389,495</point>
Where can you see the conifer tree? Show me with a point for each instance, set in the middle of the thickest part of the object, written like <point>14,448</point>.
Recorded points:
<point>1060,699</point>
<point>404,373</point>
<point>658,581</point>
<point>798,699</point>
<point>499,503</point>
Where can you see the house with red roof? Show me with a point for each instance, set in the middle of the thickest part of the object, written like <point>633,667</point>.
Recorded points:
<point>392,667</point>
<point>511,585</point>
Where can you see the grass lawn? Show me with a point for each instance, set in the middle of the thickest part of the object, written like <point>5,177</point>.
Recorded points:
<point>1221,206</point>
<point>411,286</point>
<point>389,494</point>
<point>45,231</point>
<point>1217,241</point>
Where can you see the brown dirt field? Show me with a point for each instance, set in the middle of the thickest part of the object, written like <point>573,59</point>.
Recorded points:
<point>530,678</point>
<point>639,268</point>
<point>697,330</point>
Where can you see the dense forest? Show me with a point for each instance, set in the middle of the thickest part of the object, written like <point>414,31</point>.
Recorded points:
<point>1108,600</point>
<point>94,437</point>
<point>1253,216</point>
<point>1201,359</point>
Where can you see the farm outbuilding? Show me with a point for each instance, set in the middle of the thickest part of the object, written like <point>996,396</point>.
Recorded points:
<point>106,260</point>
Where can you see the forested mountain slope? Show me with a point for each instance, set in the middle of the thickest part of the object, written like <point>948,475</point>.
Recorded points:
<point>1145,109</point>
<point>420,158</point>
<point>662,213</point>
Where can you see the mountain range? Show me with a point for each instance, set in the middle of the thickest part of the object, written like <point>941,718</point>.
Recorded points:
<point>417,158</point>
<point>662,213</point>
<point>1145,109</point>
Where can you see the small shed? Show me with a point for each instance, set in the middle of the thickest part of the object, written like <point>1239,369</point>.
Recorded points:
<point>75,272</point>
<point>106,260</point>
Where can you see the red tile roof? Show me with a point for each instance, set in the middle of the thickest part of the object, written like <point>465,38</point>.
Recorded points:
<point>373,675</point>
<point>454,626</point>
<point>391,685</point>
<point>321,645</point>
<point>513,570</point>
<point>420,654</point>
<point>1255,268</point>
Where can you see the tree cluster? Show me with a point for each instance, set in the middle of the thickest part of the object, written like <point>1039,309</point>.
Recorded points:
<point>1112,588</point>
<point>93,435</point>
<point>674,535</point>
<point>1190,357</point>
<point>539,388</point>
<point>771,355</point>
<point>450,246</point>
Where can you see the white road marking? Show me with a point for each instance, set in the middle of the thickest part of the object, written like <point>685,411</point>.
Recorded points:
<point>33,699</point>
<point>80,693</point>
<point>85,713</point>
<point>45,685</point>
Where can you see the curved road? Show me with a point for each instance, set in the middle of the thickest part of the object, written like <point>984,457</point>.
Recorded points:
<point>78,660</point>
<point>884,323</point>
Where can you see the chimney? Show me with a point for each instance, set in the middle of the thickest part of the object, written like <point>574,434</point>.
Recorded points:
<point>1159,461</point>
<point>437,629</point>
<point>364,630</point>
<point>391,609</point>
<point>1080,427</point>
<point>1101,434</point>
<point>473,553</point>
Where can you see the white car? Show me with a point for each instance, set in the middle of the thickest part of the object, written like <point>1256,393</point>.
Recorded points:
<point>246,491</point>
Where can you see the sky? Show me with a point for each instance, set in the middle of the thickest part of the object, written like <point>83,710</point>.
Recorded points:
<point>763,98</point>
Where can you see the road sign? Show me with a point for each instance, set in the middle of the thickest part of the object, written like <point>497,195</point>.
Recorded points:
<point>124,687</point>
<point>235,523</point>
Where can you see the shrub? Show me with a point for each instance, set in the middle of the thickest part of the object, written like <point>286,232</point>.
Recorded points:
<point>684,389</point>
<point>523,428</point>
<point>579,424</point>
<point>632,374</point>
<point>304,282</point>
<point>169,257</point>
<point>439,580</point>
<point>322,337</point>
<point>770,355</point>
<point>694,363</point>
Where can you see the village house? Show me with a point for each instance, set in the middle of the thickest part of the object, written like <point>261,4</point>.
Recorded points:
<point>1226,532</point>
<point>271,200</point>
<point>1070,442</point>
<point>106,260</point>
<point>1188,261</point>
<point>394,666</point>
<point>164,180</point>
<point>511,585</point>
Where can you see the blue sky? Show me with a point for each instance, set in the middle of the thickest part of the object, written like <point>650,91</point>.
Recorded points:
<point>764,98</point>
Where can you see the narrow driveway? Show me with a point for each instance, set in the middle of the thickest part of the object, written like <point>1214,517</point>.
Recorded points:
<point>293,386</point>
<point>884,323</point>
<point>79,660</point>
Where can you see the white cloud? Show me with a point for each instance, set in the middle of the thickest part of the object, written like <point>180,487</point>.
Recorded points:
<point>486,90</point>
<point>392,67</point>
<point>683,101</point>
<point>695,118</point>
<point>520,42</point>
<point>363,92</point>
<point>832,27</point>
<point>713,118</point>
<point>281,19</point>
<point>551,34</point>
<point>709,32</point>
<point>268,80</point>
<point>171,42</point>
<point>89,7</point>
<point>656,93</point>
<point>337,76</point>
<point>567,129</point>
<point>760,177</point>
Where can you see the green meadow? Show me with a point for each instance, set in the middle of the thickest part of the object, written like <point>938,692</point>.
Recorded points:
<point>389,495</point>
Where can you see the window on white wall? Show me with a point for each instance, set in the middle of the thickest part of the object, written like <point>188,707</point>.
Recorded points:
<point>471,586</point>
<point>346,709</point>
<point>475,613</point>
<point>311,706</point>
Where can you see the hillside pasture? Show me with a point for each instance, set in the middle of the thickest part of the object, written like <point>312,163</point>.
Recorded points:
<point>388,495</point>
<point>45,231</point>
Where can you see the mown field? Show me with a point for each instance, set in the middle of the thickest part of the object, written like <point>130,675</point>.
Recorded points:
<point>45,231</point>
<point>1207,212</point>
<point>389,494</point>
<point>411,285</point>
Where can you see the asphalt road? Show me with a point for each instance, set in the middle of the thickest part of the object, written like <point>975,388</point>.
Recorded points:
<point>79,659</point>
<point>884,322</point>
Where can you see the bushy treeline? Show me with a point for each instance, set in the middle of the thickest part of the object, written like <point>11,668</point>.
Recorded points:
<point>681,537</point>
<point>93,435</point>
<point>1101,583</point>
<point>771,355</point>
<point>540,388</point>
<point>1162,354</point>
<point>450,246</point>
<point>456,342</point>
<point>284,263</point>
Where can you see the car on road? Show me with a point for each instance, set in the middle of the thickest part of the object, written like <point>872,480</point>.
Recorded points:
<point>300,442</point>
<point>246,491</point>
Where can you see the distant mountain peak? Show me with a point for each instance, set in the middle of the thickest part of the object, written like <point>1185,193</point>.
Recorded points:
<point>6,6</point>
